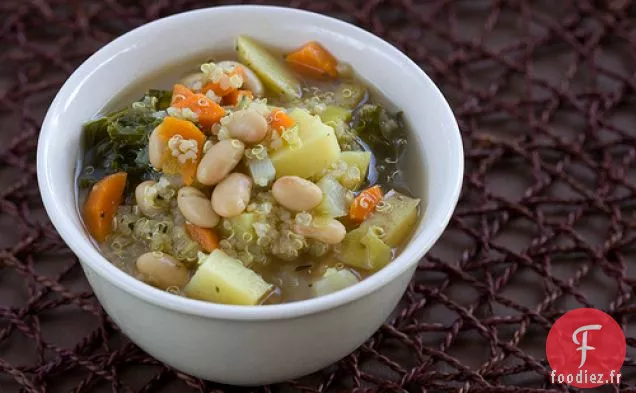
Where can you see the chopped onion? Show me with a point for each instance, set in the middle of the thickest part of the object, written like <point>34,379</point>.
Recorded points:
<point>262,171</point>
<point>334,202</point>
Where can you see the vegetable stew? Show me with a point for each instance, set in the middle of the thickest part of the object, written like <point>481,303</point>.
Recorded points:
<point>267,178</point>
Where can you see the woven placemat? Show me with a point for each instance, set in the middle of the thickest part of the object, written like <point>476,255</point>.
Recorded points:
<point>544,93</point>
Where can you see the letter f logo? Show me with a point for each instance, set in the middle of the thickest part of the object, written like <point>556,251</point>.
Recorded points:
<point>571,339</point>
<point>584,347</point>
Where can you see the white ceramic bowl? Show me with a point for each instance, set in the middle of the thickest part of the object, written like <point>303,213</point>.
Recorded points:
<point>239,344</point>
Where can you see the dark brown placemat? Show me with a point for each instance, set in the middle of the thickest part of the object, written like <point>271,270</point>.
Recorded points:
<point>544,93</point>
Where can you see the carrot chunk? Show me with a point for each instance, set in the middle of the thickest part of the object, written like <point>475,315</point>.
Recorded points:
<point>313,60</point>
<point>182,157</point>
<point>102,203</point>
<point>208,111</point>
<point>280,120</point>
<point>223,87</point>
<point>364,204</point>
<point>206,237</point>
<point>180,94</point>
<point>235,97</point>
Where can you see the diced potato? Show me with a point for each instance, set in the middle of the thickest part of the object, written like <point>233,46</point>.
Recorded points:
<point>334,198</point>
<point>333,280</point>
<point>398,220</point>
<point>318,150</point>
<point>271,70</point>
<point>334,114</point>
<point>223,279</point>
<point>359,159</point>
<point>363,249</point>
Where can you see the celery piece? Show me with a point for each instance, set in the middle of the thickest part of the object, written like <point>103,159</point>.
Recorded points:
<point>362,248</point>
<point>350,95</point>
<point>271,70</point>
<point>380,253</point>
<point>396,218</point>
<point>333,280</point>
<point>334,198</point>
<point>223,279</point>
<point>360,160</point>
<point>334,114</point>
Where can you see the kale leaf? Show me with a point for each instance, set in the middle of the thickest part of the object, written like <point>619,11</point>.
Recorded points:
<point>384,134</point>
<point>119,140</point>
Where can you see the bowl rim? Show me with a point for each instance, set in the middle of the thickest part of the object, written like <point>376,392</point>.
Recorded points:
<point>87,253</point>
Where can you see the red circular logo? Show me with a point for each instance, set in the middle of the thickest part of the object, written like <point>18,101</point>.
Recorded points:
<point>585,348</point>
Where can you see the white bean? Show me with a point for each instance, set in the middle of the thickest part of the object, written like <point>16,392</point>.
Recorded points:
<point>162,270</point>
<point>145,197</point>
<point>252,83</point>
<point>330,231</point>
<point>156,147</point>
<point>296,193</point>
<point>219,161</point>
<point>231,196</point>
<point>196,207</point>
<point>247,125</point>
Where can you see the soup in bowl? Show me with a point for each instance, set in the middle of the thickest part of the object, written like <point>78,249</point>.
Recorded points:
<point>262,178</point>
<point>251,203</point>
